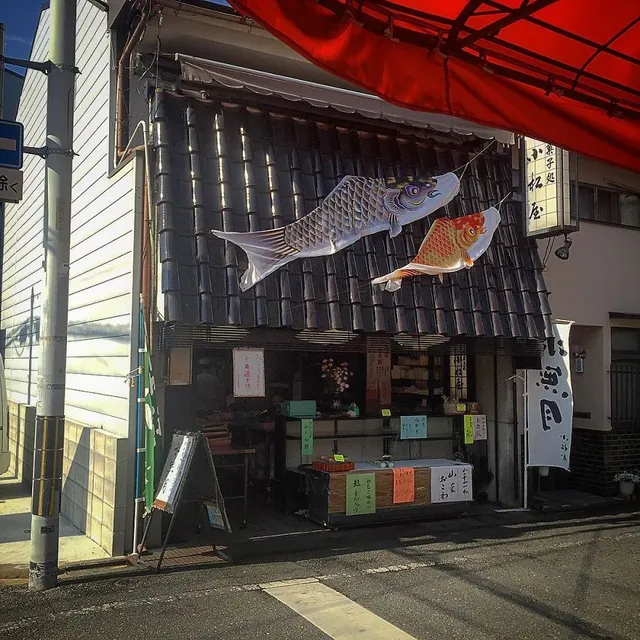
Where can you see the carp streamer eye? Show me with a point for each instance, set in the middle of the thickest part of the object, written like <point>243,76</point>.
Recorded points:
<point>412,190</point>
<point>472,231</point>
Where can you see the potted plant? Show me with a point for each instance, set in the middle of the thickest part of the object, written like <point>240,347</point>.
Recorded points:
<point>627,482</point>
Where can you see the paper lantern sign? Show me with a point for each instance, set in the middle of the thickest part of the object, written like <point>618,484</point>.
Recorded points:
<point>403,485</point>
<point>306,436</point>
<point>248,373</point>
<point>356,208</point>
<point>413,427</point>
<point>479,427</point>
<point>361,493</point>
<point>468,429</point>
<point>451,483</point>
<point>449,246</point>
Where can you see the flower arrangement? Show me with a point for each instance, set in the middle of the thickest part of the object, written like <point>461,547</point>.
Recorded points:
<point>336,375</point>
<point>627,476</point>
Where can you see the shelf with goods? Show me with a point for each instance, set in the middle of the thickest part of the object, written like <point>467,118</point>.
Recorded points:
<point>418,384</point>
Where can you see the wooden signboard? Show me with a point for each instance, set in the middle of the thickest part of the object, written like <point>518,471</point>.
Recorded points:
<point>378,380</point>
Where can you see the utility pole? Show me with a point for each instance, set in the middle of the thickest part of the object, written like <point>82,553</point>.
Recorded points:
<point>49,435</point>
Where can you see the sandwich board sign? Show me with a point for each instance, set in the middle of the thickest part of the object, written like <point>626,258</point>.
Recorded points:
<point>188,460</point>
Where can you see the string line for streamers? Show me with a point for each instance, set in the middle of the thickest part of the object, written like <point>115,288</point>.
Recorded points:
<point>465,166</point>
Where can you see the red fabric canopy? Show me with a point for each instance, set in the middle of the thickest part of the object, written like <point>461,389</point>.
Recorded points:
<point>562,71</point>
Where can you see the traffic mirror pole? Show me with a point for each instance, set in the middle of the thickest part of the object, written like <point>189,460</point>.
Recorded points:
<point>49,434</point>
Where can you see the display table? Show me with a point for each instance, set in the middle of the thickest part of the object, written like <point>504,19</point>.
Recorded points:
<point>439,486</point>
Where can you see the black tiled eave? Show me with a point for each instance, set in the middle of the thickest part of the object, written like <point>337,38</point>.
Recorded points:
<point>230,167</point>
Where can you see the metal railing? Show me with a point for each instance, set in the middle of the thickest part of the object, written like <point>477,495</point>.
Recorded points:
<point>625,393</point>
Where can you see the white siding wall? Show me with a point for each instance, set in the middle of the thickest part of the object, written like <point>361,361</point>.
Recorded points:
<point>102,223</point>
<point>23,253</point>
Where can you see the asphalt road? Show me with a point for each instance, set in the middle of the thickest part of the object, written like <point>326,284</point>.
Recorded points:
<point>569,579</point>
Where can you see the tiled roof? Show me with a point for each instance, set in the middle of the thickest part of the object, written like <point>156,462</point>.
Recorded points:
<point>233,167</point>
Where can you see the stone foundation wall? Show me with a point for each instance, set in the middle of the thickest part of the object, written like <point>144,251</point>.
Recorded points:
<point>596,457</point>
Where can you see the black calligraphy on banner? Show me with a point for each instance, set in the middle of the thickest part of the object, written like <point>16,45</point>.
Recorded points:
<point>550,403</point>
<point>535,211</point>
<point>451,483</point>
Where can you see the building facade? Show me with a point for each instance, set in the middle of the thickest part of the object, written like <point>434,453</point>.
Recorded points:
<point>225,127</point>
<point>595,288</point>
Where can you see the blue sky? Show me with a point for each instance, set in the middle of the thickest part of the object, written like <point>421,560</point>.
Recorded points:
<point>20,18</point>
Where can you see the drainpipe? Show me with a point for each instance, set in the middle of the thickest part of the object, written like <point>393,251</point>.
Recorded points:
<point>123,63</point>
<point>497,425</point>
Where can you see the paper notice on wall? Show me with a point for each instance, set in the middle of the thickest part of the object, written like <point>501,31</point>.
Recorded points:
<point>549,402</point>
<point>248,373</point>
<point>360,493</point>
<point>451,484</point>
<point>479,427</point>
<point>468,429</point>
<point>413,427</point>
<point>403,485</point>
<point>306,429</point>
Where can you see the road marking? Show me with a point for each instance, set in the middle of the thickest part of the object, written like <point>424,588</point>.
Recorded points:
<point>332,612</point>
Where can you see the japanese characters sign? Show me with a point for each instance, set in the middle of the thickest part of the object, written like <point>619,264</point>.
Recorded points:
<point>547,187</point>
<point>479,427</point>
<point>378,380</point>
<point>248,373</point>
<point>306,436</point>
<point>403,485</point>
<point>468,429</point>
<point>10,185</point>
<point>361,493</point>
<point>413,427</point>
<point>550,404</point>
<point>451,484</point>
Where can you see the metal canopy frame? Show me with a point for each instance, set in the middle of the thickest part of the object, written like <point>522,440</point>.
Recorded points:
<point>477,46</point>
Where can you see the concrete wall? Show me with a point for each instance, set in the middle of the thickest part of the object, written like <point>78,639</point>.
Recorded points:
<point>503,448</point>
<point>22,424</point>
<point>93,497</point>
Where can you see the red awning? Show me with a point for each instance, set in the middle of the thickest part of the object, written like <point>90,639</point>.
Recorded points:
<point>561,71</point>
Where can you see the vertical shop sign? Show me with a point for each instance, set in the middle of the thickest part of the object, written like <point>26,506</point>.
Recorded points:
<point>248,373</point>
<point>550,403</point>
<point>458,376</point>
<point>550,175</point>
<point>403,485</point>
<point>468,429</point>
<point>378,380</point>
<point>413,427</point>
<point>306,436</point>
<point>361,493</point>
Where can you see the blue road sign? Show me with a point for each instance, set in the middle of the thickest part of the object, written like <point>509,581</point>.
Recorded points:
<point>11,143</point>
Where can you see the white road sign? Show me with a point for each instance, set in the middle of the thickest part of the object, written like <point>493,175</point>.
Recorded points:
<point>10,185</point>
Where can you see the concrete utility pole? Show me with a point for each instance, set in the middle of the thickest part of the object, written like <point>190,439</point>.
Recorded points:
<point>49,436</point>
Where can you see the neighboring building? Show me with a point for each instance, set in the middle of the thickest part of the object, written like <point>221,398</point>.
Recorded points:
<point>238,141</point>
<point>596,289</point>
<point>12,89</point>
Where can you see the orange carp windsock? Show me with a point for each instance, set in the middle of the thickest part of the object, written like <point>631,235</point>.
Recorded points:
<point>449,246</point>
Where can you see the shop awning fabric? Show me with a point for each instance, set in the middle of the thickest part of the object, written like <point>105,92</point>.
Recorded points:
<point>562,71</point>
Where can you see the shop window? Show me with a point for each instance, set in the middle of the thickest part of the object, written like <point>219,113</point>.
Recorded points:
<point>599,204</point>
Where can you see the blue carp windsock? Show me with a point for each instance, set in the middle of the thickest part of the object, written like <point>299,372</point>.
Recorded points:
<point>450,245</point>
<point>356,208</point>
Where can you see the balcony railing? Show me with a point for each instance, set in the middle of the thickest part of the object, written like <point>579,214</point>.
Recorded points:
<point>625,393</point>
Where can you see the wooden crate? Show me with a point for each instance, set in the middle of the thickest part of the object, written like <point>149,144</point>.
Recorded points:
<point>384,489</point>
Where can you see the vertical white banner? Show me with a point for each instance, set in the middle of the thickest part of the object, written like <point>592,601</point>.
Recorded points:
<point>550,403</point>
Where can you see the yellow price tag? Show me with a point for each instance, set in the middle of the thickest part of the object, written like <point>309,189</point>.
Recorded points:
<point>461,407</point>
<point>386,413</point>
<point>338,457</point>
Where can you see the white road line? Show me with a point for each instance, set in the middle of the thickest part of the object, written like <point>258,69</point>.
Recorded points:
<point>332,612</point>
